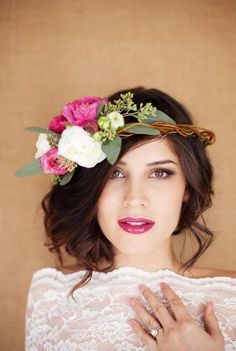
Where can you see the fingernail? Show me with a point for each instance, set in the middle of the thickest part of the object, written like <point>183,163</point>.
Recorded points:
<point>130,322</point>
<point>132,301</point>
<point>141,288</point>
<point>162,286</point>
<point>211,306</point>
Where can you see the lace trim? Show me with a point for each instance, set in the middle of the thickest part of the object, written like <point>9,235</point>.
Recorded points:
<point>228,283</point>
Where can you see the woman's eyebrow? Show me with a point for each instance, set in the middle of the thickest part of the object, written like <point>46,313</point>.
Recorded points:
<point>161,162</point>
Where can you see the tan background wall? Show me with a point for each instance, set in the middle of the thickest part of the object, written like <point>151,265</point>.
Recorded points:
<point>55,51</point>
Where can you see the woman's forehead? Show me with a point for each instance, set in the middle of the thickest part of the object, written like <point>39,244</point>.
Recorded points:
<point>152,151</point>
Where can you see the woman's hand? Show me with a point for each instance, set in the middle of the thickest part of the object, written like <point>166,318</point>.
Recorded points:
<point>179,332</point>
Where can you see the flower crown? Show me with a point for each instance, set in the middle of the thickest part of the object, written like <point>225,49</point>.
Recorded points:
<point>90,129</point>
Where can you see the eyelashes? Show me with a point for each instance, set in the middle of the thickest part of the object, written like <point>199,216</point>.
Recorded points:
<point>168,173</point>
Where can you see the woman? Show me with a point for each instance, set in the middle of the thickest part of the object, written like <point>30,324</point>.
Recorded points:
<point>129,171</point>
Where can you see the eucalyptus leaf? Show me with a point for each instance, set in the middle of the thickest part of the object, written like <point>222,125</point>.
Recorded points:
<point>29,169</point>
<point>112,149</point>
<point>140,129</point>
<point>158,116</point>
<point>100,109</point>
<point>67,177</point>
<point>40,130</point>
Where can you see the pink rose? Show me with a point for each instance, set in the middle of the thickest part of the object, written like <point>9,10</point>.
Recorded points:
<point>80,112</point>
<point>57,124</point>
<point>92,126</point>
<point>50,162</point>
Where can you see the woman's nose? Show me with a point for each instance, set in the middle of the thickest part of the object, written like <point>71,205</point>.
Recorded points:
<point>134,197</point>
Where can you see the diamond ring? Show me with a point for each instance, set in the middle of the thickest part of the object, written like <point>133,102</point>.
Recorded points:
<point>154,331</point>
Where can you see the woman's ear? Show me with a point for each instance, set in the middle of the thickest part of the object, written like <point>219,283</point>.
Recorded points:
<point>186,195</point>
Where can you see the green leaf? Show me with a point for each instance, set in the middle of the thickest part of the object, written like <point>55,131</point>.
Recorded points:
<point>40,130</point>
<point>66,178</point>
<point>100,109</point>
<point>29,169</point>
<point>158,116</point>
<point>136,129</point>
<point>112,149</point>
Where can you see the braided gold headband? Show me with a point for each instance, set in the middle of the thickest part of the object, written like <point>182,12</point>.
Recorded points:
<point>205,135</point>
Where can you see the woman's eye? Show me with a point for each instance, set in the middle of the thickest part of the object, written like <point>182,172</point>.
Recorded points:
<point>162,173</point>
<point>115,174</point>
<point>159,173</point>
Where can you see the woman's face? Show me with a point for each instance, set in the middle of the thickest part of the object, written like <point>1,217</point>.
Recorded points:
<point>147,183</point>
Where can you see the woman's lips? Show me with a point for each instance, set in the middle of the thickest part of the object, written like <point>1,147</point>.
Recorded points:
<point>135,225</point>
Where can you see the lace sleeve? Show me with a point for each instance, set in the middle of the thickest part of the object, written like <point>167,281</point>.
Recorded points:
<point>43,320</point>
<point>36,316</point>
<point>225,310</point>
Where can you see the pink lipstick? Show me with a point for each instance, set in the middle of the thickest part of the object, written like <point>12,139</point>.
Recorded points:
<point>133,225</point>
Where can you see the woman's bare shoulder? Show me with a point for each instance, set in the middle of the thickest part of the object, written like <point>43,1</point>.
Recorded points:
<point>202,272</point>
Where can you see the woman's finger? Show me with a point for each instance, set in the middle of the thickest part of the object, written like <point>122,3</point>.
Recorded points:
<point>159,310</point>
<point>179,309</point>
<point>211,323</point>
<point>148,320</point>
<point>145,338</point>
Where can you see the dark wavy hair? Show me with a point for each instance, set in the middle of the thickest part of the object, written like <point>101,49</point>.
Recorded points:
<point>70,211</point>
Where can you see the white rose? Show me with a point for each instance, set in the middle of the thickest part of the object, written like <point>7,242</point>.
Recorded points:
<point>117,120</point>
<point>77,145</point>
<point>42,145</point>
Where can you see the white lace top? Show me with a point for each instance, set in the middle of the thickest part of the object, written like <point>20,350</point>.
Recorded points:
<point>97,321</point>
